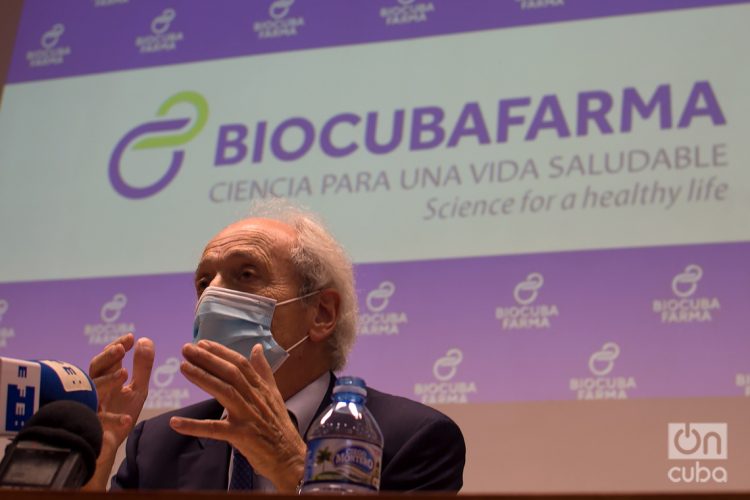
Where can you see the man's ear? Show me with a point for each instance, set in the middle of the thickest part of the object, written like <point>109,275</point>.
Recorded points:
<point>326,315</point>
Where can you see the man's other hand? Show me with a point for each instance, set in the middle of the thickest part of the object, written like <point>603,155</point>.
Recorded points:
<point>120,404</point>
<point>257,422</point>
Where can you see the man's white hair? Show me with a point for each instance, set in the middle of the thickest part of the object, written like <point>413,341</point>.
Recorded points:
<point>320,262</point>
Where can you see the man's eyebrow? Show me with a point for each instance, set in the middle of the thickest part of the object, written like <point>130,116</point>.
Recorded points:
<point>248,256</point>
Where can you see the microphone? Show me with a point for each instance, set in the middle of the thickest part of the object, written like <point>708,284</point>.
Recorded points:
<point>56,449</point>
<point>25,386</point>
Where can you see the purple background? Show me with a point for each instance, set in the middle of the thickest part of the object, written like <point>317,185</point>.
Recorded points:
<point>602,296</point>
<point>103,38</point>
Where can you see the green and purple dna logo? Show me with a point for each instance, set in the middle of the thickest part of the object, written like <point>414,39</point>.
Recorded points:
<point>185,132</point>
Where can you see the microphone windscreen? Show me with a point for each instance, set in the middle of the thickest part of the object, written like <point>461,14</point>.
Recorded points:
<point>67,424</point>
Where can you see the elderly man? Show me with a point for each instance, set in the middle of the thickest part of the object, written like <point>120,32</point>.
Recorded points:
<point>259,416</point>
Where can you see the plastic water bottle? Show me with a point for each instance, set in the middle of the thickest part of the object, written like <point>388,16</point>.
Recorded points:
<point>345,445</point>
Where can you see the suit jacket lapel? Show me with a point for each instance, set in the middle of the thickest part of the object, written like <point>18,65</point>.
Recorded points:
<point>204,464</point>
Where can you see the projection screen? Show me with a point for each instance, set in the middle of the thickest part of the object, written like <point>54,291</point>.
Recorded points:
<point>545,202</point>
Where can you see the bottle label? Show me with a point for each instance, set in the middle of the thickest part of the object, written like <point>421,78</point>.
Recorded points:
<point>343,460</point>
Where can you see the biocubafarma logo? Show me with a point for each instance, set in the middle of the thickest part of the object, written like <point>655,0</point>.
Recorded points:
<point>378,132</point>
<point>602,385</point>
<point>109,328</point>
<point>186,130</point>
<point>526,314</point>
<point>685,306</point>
<point>378,319</point>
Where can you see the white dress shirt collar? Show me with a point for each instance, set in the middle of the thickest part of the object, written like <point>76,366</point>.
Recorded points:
<point>304,404</point>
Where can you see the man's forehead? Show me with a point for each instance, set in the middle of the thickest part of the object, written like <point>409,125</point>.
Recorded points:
<point>253,232</point>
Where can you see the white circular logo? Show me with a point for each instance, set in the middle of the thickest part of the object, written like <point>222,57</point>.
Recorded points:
<point>160,24</point>
<point>377,300</point>
<point>3,308</point>
<point>111,310</point>
<point>445,368</point>
<point>50,38</point>
<point>602,362</point>
<point>686,283</point>
<point>280,8</point>
<point>526,291</point>
<point>164,373</point>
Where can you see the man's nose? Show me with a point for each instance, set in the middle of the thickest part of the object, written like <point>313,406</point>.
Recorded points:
<point>219,281</point>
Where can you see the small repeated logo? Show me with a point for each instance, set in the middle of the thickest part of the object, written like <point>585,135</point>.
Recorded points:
<point>524,315</point>
<point>50,38</point>
<point>600,386</point>
<point>279,24</point>
<point>161,395</point>
<point>109,3</point>
<point>539,4</point>
<point>160,39</point>
<point>406,12</point>
<point>694,442</point>
<point>743,382</point>
<point>602,362</point>
<point>5,331</point>
<point>443,389</point>
<point>50,54</point>
<point>526,291</point>
<point>377,299</point>
<point>109,328</point>
<point>110,311</point>
<point>116,177</point>
<point>378,321</point>
<point>684,307</point>
<point>445,368</point>
<point>686,283</point>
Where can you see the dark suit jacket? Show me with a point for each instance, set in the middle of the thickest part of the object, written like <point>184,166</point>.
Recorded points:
<point>423,449</point>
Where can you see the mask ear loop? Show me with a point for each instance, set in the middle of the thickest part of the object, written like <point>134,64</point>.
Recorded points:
<point>289,301</point>
<point>294,300</point>
<point>298,343</point>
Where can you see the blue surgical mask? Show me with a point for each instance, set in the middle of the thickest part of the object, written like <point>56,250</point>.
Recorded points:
<point>239,321</point>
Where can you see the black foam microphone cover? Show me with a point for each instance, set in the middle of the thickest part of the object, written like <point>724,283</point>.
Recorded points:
<point>67,424</point>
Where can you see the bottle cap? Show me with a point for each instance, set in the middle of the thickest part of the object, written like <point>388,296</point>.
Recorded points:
<point>354,385</point>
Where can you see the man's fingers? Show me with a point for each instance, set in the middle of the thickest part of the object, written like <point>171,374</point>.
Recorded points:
<point>116,420</point>
<point>234,369</point>
<point>218,362</point>
<point>274,406</point>
<point>110,359</point>
<point>260,365</point>
<point>111,381</point>
<point>126,341</point>
<point>116,427</point>
<point>234,358</point>
<point>214,429</point>
<point>226,394</point>
<point>263,393</point>
<point>107,361</point>
<point>143,361</point>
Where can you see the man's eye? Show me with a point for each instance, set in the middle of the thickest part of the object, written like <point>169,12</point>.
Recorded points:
<point>201,284</point>
<point>246,274</point>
